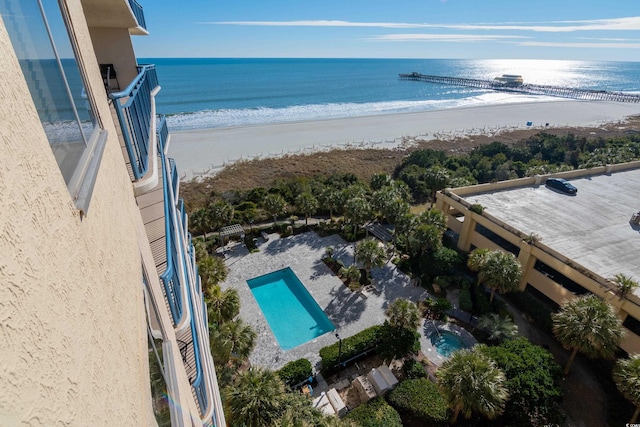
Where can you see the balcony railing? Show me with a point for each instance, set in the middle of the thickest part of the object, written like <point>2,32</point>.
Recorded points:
<point>133,108</point>
<point>138,13</point>
<point>171,278</point>
<point>162,132</point>
<point>201,382</point>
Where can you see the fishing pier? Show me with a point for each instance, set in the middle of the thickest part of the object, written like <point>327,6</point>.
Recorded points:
<point>512,83</point>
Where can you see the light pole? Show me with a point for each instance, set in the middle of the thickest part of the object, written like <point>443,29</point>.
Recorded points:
<point>339,353</point>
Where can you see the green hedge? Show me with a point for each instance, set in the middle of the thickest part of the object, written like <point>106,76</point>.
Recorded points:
<point>464,300</point>
<point>414,369</point>
<point>421,398</point>
<point>351,346</point>
<point>295,372</point>
<point>375,413</point>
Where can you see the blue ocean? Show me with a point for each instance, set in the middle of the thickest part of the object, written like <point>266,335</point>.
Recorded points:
<point>205,93</point>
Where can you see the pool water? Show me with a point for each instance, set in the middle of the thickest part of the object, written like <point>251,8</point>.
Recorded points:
<point>446,343</point>
<point>291,312</point>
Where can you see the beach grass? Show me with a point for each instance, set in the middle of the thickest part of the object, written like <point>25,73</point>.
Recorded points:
<point>364,163</point>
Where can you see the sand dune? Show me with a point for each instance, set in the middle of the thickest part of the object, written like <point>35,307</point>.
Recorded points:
<point>205,151</point>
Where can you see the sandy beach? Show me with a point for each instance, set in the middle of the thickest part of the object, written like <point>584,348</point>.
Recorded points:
<point>205,151</point>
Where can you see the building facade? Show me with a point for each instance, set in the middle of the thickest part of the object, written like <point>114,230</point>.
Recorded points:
<point>550,273</point>
<point>101,308</point>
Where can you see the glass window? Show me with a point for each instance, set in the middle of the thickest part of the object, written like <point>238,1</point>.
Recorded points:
<point>42,44</point>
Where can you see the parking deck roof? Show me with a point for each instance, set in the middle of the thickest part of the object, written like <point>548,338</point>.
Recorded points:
<point>592,227</point>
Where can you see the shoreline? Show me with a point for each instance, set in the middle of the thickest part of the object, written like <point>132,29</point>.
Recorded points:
<point>204,152</point>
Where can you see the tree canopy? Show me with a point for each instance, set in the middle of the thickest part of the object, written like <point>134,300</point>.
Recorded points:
<point>533,381</point>
<point>589,325</point>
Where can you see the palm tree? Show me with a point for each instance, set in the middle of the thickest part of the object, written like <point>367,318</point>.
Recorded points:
<point>212,271</point>
<point>274,204</point>
<point>357,210</point>
<point>222,306</point>
<point>256,398</point>
<point>379,180</point>
<point>199,221</point>
<point>330,199</point>
<point>424,238</point>
<point>200,248</point>
<point>589,325</point>
<point>370,255</point>
<point>626,375</point>
<point>232,341</point>
<point>383,200</point>
<point>477,258</point>
<point>220,213</point>
<point>435,179</point>
<point>352,273</point>
<point>471,382</point>
<point>498,327</point>
<point>397,210</point>
<point>308,204</point>
<point>434,217</point>
<point>624,284</point>
<point>499,271</point>
<point>403,313</point>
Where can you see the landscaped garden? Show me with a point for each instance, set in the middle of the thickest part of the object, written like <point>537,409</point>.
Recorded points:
<point>506,378</point>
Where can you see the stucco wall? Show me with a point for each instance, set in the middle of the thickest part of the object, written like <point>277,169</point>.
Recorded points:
<point>72,323</point>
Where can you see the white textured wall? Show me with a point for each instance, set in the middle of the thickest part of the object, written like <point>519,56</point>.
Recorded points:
<point>72,328</point>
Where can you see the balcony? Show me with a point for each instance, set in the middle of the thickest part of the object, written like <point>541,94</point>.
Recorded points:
<point>135,111</point>
<point>138,13</point>
<point>165,222</point>
<point>115,14</point>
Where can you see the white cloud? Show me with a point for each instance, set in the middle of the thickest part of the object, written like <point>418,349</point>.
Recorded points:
<point>582,45</point>
<point>443,37</point>
<point>615,24</point>
<point>319,23</point>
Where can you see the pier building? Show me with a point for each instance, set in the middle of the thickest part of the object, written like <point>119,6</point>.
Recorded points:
<point>515,83</point>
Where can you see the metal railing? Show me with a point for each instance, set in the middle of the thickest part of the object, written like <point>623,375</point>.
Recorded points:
<point>162,133</point>
<point>138,13</point>
<point>171,276</point>
<point>201,383</point>
<point>133,108</point>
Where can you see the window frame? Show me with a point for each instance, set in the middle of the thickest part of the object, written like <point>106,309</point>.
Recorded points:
<point>84,171</point>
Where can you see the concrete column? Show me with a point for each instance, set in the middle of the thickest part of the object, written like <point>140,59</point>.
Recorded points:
<point>527,260</point>
<point>468,227</point>
<point>442,205</point>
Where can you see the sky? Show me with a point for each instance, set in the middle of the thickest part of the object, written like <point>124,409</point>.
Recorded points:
<point>470,29</point>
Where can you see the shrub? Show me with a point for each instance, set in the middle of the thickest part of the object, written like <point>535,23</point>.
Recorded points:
<point>414,369</point>
<point>481,302</point>
<point>375,413</point>
<point>534,382</point>
<point>351,347</point>
<point>397,342</point>
<point>295,372</point>
<point>477,208</point>
<point>421,398</point>
<point>464,300</point>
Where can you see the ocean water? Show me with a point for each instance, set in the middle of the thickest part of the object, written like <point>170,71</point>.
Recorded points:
<point>212,92</point>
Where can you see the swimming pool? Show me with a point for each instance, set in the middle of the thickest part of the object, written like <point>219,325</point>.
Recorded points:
<point>446,343</point>
<point>291,312</point>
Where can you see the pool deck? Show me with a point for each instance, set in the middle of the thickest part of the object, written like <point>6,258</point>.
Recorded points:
<point>350,312</point>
